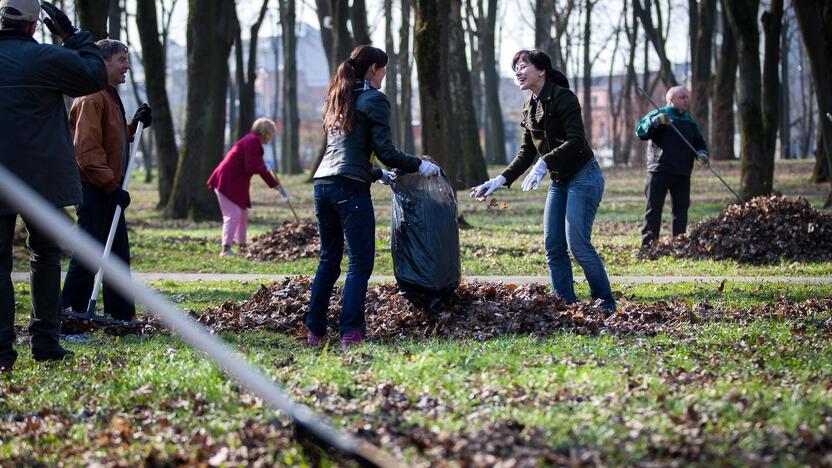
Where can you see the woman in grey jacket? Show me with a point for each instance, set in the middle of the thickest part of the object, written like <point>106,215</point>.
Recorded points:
<point>357,123</point>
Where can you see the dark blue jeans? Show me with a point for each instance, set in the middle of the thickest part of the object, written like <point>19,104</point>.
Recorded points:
<point>568,217</point>
<point>95,214</point>
<point>342,214</point>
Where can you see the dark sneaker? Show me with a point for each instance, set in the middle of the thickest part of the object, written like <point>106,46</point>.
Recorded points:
<point>314,340</point>
<point>53,354</point>
<point>351,338</point>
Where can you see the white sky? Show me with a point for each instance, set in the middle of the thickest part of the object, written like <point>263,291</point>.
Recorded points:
<point>515,26</point>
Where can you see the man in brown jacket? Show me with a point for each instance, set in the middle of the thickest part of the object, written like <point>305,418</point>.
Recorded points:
<point>102,138</point>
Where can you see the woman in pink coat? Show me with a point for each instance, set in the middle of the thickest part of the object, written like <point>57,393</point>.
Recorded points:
<point>232,178</point>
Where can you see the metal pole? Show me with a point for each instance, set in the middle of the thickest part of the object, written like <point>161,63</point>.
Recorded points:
<point>47,218</point>
<point>692,148</point>
<point>114,224</point>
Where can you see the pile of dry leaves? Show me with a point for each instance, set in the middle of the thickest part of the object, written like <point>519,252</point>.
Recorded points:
<point>289,241</point>
<point>761,231</point>
<point>480,311</point>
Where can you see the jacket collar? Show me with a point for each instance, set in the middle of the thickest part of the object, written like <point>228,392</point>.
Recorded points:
<point>546,92</point>
<point>13,34</point>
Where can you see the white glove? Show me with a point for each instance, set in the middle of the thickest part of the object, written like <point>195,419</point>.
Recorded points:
<point>386,177</point>
<point>532,181</point>
<point>428,169</point>
<point>282,191</point>
<point>488,187</point>
<point>702,155</point>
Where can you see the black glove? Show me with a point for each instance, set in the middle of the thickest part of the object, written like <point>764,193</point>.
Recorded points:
<point>58,22</point>
<point>122,198</point>
<point>144,115</point>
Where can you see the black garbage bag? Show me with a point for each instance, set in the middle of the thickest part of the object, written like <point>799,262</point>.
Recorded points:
<point>425,238</point>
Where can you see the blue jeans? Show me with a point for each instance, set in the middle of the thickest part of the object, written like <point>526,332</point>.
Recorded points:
<point>342,214</point>
<point>568,217</point>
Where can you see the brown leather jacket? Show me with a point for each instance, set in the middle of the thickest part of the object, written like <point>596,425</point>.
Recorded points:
<point>101,137</point>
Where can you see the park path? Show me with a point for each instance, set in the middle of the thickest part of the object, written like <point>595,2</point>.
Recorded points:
<point>146,277</point>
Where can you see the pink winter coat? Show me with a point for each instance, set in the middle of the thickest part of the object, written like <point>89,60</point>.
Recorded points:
<point>233,176</point>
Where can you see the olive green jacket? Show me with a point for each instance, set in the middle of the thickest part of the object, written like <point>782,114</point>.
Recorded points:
<point>557,137</point>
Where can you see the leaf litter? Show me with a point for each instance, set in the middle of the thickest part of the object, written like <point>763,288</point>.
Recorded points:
<point>289,241</point>
<point>764,230</point>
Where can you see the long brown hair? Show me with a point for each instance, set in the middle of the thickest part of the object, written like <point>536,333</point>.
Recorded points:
<point>339,105</point>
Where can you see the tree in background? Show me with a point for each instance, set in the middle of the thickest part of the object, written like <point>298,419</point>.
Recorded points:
<point>724,90</point>
<point>247,75</point>
<point>405,88</point>
<point>290,138</point>
<point>702,19</point>
<point>93,17</point>
<point>210,36</point>
<point>495,138</point>
<point>814,19</point>
<point>656,36</point>
<point>391,82</point>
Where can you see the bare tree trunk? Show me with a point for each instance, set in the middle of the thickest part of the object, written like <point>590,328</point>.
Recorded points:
<point>358,19</point>
<point>772,26</point>
<point>473,26</point>
<point>814,19</point>
<point>725,82</point>
<point>210,37</point>
<point>654,34</point>
<point>114,19</point>
<point>276,113</point>
<point>630,83</point>
<point>290,141</point>
<point>155,73</point>
<point>247,77</point>
<point>701,76</point>
<point>785,86</point>
<point>494,127</point>
<point>93,16</point>
<point>406,91</point>
<point>391,85</point>
<point>232,102</point>
<point>587,78</point>
<point>473,169</point>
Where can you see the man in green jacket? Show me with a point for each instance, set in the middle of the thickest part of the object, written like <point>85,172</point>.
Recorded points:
<point>669,162</point>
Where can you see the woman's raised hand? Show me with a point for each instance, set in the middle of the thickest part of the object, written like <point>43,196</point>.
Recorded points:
<point>488,187</point>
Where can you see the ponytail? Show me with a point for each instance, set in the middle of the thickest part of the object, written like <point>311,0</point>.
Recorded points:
<point>339,104</point>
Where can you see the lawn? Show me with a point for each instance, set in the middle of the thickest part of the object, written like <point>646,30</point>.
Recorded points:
<point>754,387</point>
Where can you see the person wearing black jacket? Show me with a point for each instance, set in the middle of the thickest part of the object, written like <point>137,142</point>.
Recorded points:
<point>357,122</point>
<point>553,135</point>
<point>37,148</point>
<point>669,162</point>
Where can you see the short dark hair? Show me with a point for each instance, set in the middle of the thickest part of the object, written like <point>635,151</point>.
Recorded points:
<point>13,24</point>
<point>110,47</point>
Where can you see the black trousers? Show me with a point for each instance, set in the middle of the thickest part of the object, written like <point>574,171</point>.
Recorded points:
<point>44,284</point>
<point>658,184</point>
<point>95,214</point>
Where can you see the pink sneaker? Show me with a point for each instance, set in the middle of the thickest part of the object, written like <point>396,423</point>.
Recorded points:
<point>350,338</point>
<point>314,340</point>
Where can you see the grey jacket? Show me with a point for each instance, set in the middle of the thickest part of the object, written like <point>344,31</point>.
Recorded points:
<point>349,154</point>
<point>35,142</point>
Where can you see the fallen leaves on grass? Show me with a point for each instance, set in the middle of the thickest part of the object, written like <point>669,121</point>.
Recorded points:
<point>289,241</point>
<point>764,230</point>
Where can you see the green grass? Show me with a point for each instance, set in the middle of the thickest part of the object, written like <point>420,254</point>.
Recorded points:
<point>733,391</point>
<point>501,242</point>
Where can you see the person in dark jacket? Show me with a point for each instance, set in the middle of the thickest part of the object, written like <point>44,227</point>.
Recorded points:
<point>102,137</point>
<point>669,162</point>
<point>37,148</point>
<point>357,122</point>
<point>231,180</point>
<point>553,136</point>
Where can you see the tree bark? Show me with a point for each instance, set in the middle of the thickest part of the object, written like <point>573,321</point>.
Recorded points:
<point>247,77</point>
<point>654,34</point>
<point>342,41</point>
<point>785,101</point>
<point>406,90</point>
<point>495,138</point>
<point>114,19</point>
<point>431,49</point>
<point>290,140</point>
<point>813,19</point>
<point>391,82</point>
<point>93,17</point>
<point>701,57</point>
<point>211,33</point>
<point>772,26</point>
<point>725,83</point>
<point>472,170</point>
<point>155,73</point>
<point>587,78</point>
<point>358,19</point>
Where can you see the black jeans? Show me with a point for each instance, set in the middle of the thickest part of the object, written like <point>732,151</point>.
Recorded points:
<point>348,214</point>
<point>658,184</point>
<point>95,214</point>
<point>45,285</point>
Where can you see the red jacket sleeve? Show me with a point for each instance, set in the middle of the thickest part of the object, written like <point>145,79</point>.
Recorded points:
<point>254,164</point>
